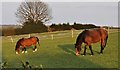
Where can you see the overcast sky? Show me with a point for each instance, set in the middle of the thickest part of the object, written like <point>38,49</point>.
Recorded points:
<point>99,13</point>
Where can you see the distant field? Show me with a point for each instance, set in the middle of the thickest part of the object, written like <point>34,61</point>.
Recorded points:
<point>59,52</point>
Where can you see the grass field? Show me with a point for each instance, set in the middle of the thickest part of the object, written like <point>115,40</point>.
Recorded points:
<point>60,53</point>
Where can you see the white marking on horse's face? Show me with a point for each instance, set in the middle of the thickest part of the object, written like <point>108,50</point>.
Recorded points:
<point>25,51</point>
<point>16,52</point>
<point>77,54</point>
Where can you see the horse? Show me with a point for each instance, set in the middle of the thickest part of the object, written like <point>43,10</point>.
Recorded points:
<point>90,36</point>
<point>26,42</point>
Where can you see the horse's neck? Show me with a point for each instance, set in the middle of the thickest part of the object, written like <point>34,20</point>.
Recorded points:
<point>79,41</point>
<point>17,46</point>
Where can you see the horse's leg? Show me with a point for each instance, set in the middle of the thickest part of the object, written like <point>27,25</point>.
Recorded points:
<point>84,50</point>
<point>102,47</point>
<point>23,50</point>
<point>101,51</point>
<point>105,41</point>
<point>90,47</point>
<point>35,48</point>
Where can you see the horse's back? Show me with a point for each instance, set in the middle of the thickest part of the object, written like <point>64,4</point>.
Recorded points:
<point>92,36</point>
<point>27,41</point>
<point>33,39</point>
<point>98,31</point>
<point>95,35</point>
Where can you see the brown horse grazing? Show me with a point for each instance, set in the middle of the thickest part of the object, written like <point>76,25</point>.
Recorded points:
<point>26,42</point>
<point>91,36</point>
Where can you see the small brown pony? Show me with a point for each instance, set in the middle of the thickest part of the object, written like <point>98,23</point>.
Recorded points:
<point>91,36</point>
<point>26,42</point>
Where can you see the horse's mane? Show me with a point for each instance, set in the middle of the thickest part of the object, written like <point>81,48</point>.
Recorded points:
<point>81,37</point>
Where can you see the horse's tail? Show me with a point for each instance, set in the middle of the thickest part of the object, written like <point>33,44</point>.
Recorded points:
<point>38,40</point>
<point>106,39</point>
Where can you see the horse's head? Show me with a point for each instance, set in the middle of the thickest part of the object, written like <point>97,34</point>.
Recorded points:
<point>79,41</point>
<point>78,49</point>
<point>17,49</point>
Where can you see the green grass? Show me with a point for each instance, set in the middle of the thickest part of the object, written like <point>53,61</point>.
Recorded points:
<point>60,53</point>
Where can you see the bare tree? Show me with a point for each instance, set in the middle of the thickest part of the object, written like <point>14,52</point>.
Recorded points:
<point>33,11</point>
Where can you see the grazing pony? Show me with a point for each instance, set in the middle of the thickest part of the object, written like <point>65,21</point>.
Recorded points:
<point>91,36</point>
<point>26,42</point>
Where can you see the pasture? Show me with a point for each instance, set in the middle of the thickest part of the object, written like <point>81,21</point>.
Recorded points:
<point>59,52</point>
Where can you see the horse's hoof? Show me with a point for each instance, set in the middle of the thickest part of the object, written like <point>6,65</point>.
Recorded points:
<point>101,54</point>
<point>83,55</point>
<point>25,51</point>
<point>91,55</point>
<point>16,52</point>
<point>22,51</point>
<point>35,49</point>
